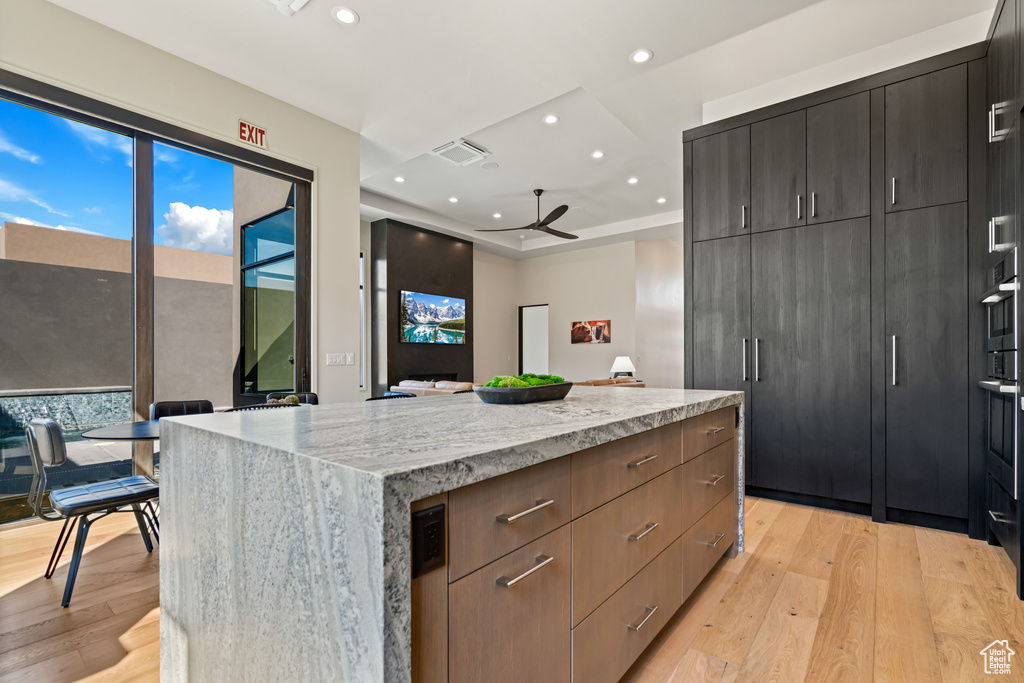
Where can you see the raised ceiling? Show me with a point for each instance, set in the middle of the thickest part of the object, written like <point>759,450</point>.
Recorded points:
<point>413,75</point>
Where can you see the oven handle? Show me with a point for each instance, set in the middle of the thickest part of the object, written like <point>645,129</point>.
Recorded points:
<point>998,387</point>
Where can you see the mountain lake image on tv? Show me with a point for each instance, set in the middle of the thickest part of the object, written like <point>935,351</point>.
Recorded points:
<point>432,319</point>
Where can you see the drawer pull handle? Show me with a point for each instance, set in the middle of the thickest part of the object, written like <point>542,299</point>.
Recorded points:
<point>715,430</point>
<point>542,561</point>
<point>717,540</point>
<point>651,526</point>
<point>642,462</point>
<point>715,481</point>
<point>541,504</point>
<point>650,613</point>
<point>998,517</point>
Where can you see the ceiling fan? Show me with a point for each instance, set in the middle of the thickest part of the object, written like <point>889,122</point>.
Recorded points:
<point>542,225</point>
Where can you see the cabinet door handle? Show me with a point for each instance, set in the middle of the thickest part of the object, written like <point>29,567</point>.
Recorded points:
<point>746,377</point>
<point>992,123</point>
<point>894,360</point>
<point>814,205</point>
<point>743,216</point>
<point>542,561</point>
<point>651,526</point>
<point>991,235</point>
<point>650,613</point>
<point>757,359</point>
<point>714,482</point>
<point>799,202</point>
<point>715,430</point>
<point>541,504</point>
<point>894,190</point>
<point>637,463</point>
<point>998,517</point>
<point>717,540</point>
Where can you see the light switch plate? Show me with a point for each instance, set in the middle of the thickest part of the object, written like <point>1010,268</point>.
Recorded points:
<point>335,359</point>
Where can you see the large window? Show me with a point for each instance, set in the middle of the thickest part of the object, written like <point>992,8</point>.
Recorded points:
<point>124,278</point>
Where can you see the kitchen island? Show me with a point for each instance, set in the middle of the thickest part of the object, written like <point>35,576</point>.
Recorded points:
<point>286,539</point>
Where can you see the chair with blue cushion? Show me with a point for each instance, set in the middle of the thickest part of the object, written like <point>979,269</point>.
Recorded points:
<point>87,503</point>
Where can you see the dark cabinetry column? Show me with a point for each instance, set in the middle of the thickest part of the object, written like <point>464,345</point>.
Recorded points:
<point>721,184</point>
<point>778,177</point>
<point>839,159</point>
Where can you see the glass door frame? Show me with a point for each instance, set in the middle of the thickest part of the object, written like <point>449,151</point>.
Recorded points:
<point>144,131</point>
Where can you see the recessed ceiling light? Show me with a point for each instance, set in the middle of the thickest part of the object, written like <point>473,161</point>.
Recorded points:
<point>399,179</point>
<point>597,154</point>
<point>661,200</point>
<point>640,56</point>
<point>550,118</point>
<point>453,200</point>
<point>345,15</point>
<point>632,181</point>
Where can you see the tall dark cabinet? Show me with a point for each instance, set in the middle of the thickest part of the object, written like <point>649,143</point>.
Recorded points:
<point>836,282</point>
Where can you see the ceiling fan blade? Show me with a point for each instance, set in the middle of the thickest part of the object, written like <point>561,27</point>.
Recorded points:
<point>554,215</point>
<point>558,233</point>
<point>531,226</point>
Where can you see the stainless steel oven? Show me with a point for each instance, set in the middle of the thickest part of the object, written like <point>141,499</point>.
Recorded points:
<point>1002,384</point>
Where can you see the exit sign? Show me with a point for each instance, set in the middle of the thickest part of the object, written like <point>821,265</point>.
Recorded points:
<point>254,135</point>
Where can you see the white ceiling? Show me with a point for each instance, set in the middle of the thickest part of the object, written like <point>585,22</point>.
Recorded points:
<point>412,75</point>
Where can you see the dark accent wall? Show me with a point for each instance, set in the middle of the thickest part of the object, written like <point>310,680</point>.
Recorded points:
<point>403,257</point>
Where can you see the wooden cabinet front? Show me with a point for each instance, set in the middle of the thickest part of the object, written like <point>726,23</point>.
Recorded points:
<point>607,643</point>
<point>706,542</point>
<point>721,184</point>
<point>926,140</point>
<point>704,432</point>
<point>504,630</point>
<point>707,479</point>
<point>607,471</point>
<point>839,159</point>
<point>612,543</point>
<point>487,519</point>
<point>778,178</point>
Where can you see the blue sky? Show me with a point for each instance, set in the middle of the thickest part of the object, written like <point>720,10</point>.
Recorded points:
<point>63,174</point>
<point>438,301</point>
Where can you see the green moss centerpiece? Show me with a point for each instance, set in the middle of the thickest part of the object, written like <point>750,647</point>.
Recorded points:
<point>526,388</point>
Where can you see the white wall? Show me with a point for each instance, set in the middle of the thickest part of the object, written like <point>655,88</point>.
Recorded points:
<point>659,313</point>
<point>590,284</point>
<point>52,45</point>
<point>495,316</point>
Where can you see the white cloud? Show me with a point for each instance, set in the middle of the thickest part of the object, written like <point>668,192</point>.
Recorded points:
<point>97,140</point>
<point>8,147</point>
<point>198,228</point>
<point>445,301</point>
<point>92,209</point>
<point>162,153</point>
<point>13,193</point>
<point>11,218</point>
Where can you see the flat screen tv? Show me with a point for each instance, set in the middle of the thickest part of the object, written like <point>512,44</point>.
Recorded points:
<point>432,319</point>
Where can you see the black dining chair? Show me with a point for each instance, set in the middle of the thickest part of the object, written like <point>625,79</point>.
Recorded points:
<point>82,505</point>
<point>176,408</point>
<point>262,406</point>
<point>307,397</point>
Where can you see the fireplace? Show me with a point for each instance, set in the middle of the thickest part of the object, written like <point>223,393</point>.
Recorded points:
<point>436,377</point>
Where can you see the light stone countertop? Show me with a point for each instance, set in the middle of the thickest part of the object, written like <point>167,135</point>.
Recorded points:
<point>299,517</point>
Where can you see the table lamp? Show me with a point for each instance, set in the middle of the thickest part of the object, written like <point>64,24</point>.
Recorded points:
<point>622,367</point>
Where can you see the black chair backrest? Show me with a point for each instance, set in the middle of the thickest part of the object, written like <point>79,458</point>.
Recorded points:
<point>46,448</point>
<point>391,394</point>
<point>261,406</point>
<point>175,408</point>
<point>307,397</point>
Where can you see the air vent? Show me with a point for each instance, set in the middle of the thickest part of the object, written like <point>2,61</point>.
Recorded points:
<point>460,153</point>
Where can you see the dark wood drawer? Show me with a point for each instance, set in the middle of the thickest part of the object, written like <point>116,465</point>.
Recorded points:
<point>478,536</point>
<point>607,471</point>
<point>612,543</point>
<point>706,480</point>
<point>518,632</point>
<point>607,643</point>
<point>704,432</point>
<point>707,541</point>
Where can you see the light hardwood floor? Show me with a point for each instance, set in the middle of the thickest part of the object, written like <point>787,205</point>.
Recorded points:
<point>818,596</point>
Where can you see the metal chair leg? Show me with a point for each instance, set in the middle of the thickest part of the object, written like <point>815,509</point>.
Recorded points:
<point>154,525</point>
<point>58,548</point>
<point>76,560</point>
<point>139,518</point>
